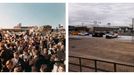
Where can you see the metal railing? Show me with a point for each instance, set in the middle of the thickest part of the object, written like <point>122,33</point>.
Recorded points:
<point>117,67</point>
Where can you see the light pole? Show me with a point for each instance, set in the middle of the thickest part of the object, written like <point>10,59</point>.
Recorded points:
<point>132,28</point>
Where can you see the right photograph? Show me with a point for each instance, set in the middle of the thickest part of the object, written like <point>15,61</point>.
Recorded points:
<point>101,37</point>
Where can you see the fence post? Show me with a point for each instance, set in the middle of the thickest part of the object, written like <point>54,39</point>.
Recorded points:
<point>115,67</point>
<point>95,65</point>
<point>80,64</point>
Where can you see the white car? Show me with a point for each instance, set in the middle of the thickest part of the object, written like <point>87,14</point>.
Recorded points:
<point>111,35</point>
<point>83,33</point>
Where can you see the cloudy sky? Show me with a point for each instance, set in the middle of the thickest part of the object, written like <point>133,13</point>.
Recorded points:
<point>114,13</point>
<point>30,14</point>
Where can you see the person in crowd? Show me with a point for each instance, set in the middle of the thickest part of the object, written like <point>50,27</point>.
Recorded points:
<point>8,66</point>
<point>1,38</point>
<point>61,68</point>
<point>5,54</point>
<point>43,68</point>
<point>34,69</point>
<point>18,61</point>
<point>18,69</point>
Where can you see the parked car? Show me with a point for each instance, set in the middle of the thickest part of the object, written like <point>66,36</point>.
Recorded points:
<point>74,33</point>
<point>83,33</point>
<point>97,34</point>
<point>111,35</point>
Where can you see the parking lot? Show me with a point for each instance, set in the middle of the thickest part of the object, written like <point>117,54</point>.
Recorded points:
<point>119,49</point>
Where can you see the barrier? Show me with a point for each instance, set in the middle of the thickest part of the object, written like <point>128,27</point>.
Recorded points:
<point>116,67</point>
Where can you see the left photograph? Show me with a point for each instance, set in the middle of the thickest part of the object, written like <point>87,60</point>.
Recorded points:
<point>32,37</point>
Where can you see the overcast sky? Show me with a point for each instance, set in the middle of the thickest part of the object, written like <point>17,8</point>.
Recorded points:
<point>114,13</point>
<point>30,14</point>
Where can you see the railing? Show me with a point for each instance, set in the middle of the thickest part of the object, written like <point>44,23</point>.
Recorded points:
<point>115,67</point>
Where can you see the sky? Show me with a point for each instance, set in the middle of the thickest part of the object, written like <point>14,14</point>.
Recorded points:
<point>30,14</point>
<point>118,14</point>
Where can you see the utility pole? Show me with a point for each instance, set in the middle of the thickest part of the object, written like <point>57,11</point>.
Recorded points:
<point>82,24</point>
<point>132,28</point>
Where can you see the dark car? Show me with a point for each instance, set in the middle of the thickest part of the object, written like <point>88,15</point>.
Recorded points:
<point>97,34</point>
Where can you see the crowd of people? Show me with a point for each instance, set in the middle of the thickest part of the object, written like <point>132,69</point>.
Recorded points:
<point>34,51</point>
